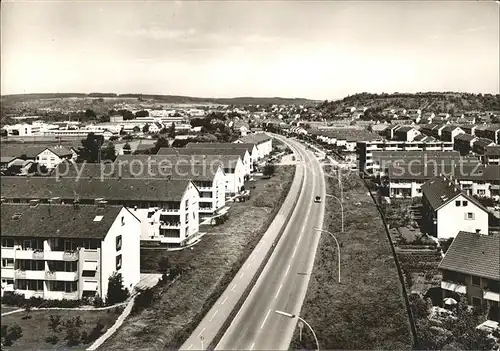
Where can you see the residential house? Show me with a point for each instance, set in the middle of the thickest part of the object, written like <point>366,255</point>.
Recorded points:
<point>406,133</point>
<point>469,129</point>
<point>449,132</point>
<point>51,157</point>
<point>7,161</point>
<point>464,143</point>
<point>167,209</point>
<point>448,210</point>
<point>251,148</point>
<point>263,141</point>
<point>155,127</point>
<point>480,144</point>
<point>390,131</point>
<point>492,155</point>
<point>491,132</point>
<point>470,267</point>
<point>56,251</point>
<point>192,151</point>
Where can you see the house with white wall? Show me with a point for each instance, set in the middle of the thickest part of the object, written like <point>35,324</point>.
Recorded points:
<point>448,210</point>
<point>263,142</point>
<point>51,157</point>
<point>56,251</point>
<point>251,148</point>
<point>148,199</point>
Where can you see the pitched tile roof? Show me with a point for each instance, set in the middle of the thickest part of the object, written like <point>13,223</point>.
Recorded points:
<point>404,129</point>
<point>483,142</point>
<point>449,129</point>
<point>112,189</point>
<point>441,190</point>
<point>492,173</point>
<point>474,254</point>
<point>137,169</point>
<point>465,137</point>
<point>257,138</point>
<point>202,151</point>
<point>225,161</point>
<point>57,221</point>
<point>248,146</point>
<point>492,150</point>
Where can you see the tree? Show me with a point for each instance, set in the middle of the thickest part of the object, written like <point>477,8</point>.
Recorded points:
<point>11,334</point>
<point>90,114</point>
<point>116,291</point>
<point>171,131</point>
<point>145,129</point>
<point>127,150</point>
<point>73,326</point>
<point>142,113</point>
<point>54,323</point>
<point>108,153</point>
<point>269,170</point>
<point>89,151</point>
<point>161,142</point>
<point>136,129</point>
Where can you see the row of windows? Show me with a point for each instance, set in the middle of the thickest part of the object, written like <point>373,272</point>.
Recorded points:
<point>55,245</point>
<point>38,285</point>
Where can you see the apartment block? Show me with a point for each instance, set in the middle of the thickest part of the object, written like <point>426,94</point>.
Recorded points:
<point>56,251</point>
<point>168,209</point>
<point>251,148</point>
<point>471,268</point>
<point>492,155</point>
<point>365,150</point>
<point>263,142</point>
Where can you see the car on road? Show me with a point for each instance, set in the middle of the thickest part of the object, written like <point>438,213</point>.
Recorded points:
<point>317,199</point>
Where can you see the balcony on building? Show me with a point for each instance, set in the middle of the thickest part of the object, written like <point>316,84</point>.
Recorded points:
<point>491,290</point>
<point>171,208</point>
<point>170,221</point>
<point>454,281</point>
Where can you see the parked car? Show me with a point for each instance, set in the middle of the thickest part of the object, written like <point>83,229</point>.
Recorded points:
<point>317,199</point>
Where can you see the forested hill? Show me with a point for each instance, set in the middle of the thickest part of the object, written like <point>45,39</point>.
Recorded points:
<point>174,99</point>
<point>450,102</point>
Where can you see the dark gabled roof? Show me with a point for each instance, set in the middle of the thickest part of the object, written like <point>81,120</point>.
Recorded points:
<point>483,142</point>
<point>7,159</point>
<point>248,146</point>
<point>60,151</point>
<point>493,128</point>
<point>420,171</point>
<point>492,150</point>
<point>257,138</point>
<point>225,161</point>
<point>31,151</point>
<point>142,168</point>
<point>440,190</point>
<point>474,254</point>
<point>113,189</point>
<point>465,137</point>
<point>57,221</point>
<point>449,128</point>
<point>202,151</point>
<point>404,129</point>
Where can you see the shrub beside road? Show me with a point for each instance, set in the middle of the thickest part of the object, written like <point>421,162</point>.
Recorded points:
<point>207,269</point>
<point>366,310</point>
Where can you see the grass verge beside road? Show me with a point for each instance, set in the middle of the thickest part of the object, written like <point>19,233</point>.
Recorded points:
<point>35,328</point>
<point>210,266</point>
<point>366,310</point>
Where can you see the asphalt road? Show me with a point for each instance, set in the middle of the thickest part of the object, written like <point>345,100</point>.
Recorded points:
<point>282,284</point>
<point>210,325</point>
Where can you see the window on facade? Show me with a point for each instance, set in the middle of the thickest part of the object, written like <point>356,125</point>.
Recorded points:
<point>476,280</point>
<point>469,215</point>
<point>118,262</point>
<point>481,192</point>
<point>7,242</point>
<point>465,203</point>
<point>118,243</point>
<point>123,219</point>
<point>476,301</point>
<point>70,287</point>
<point>70,266</point>
<point>7,262</point>
<point>36,285</point>
<point>91,244</point>
<point>457,203</point>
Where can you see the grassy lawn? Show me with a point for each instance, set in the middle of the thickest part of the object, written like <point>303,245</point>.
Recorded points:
<point>36,329</point>
<point>4,309</point>
<point>210,265</point>
<point>366,310</point>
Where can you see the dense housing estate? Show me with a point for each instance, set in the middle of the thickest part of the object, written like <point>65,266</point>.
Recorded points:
<point>57,251</point>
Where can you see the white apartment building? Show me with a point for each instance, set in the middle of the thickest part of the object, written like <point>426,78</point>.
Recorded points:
<point>68,251</point>
<point>263,142</point>
<point>365,150</point>
<point>448,210</point>
<point>22,129</point>
<point>251,148</point>
<point>148,199</point>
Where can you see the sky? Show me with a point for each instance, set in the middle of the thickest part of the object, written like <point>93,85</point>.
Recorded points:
<point>310,49</point>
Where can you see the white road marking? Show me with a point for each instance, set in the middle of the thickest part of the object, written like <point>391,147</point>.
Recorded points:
<point>253,257</point>
<point>201,332</point>
<point>265,319</point>
<point>234,287</point>
<point>248,265</point>
<point>190,346</point>
<point>300,238</point>
<point>287,269</point>
<point>294,250</point>
<point>213,315</point>
<point>278,292</point>
<point>251,347</point>
<point>224,301</point>
<point>242,274</point>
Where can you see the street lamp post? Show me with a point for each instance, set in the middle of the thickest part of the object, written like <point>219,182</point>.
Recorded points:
<point>336,241</point>
<point>341,207</point>
<point>292,316</point>
<point>340,184</point>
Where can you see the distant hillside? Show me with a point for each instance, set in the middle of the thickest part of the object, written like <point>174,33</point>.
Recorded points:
<point>174,99</point>
<point>450,102</point>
